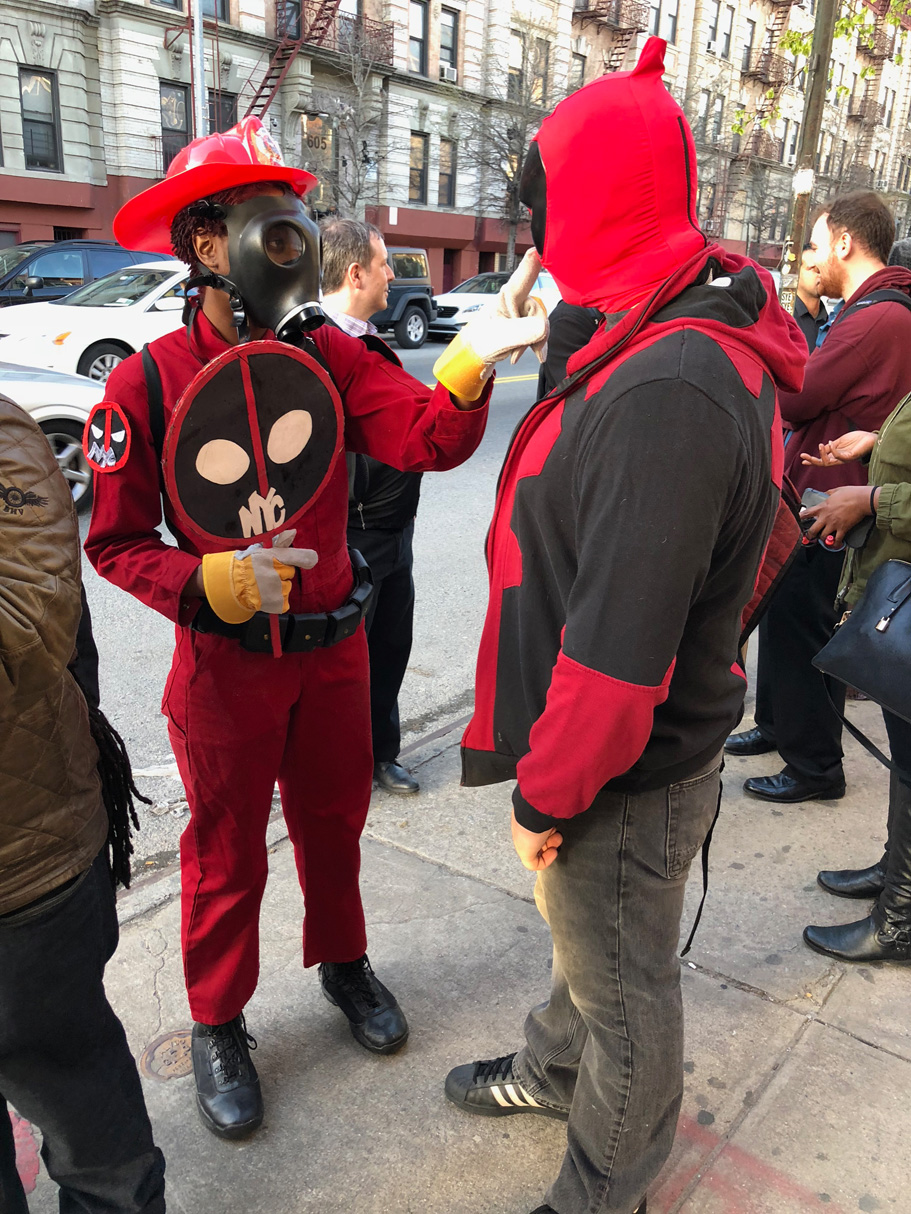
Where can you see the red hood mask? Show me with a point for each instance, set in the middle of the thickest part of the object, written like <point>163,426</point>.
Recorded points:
<point>610,180</point>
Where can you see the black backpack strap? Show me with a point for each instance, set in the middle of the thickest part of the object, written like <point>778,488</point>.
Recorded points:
<point>155,397</point>
<point>886,295</point>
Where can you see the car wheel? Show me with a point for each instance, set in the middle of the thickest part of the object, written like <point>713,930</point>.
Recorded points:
<point>100,360</point>
<point>65,438</point>
<point>411,330</point>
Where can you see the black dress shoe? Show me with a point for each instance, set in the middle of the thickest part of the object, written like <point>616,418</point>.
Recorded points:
<point>490,1089</point>
<point>394,778</point>
<point>749,743</point>
<point>377,1021</point>
<point>870,939</point>
<point>787,789</point>
<point>854,882</point>
<point>227,1086</point>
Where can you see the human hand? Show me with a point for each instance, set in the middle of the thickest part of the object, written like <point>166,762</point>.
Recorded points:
<point>843,509</point>
<point>513,300</point>
<point>238,584</point>
<point>468,361</point>
<point>536,851</point>
<point>851,446</point>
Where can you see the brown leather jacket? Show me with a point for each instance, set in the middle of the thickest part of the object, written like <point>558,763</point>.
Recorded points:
<point>52,820</point>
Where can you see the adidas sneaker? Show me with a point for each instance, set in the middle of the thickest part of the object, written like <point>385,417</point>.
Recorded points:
<point>491,1089</point>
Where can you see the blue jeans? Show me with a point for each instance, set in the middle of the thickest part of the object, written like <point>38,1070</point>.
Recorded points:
<point>608,1046</point>
<point>64,1059</point>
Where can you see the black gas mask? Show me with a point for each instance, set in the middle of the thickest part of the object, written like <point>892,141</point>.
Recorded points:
<point>273,251</point>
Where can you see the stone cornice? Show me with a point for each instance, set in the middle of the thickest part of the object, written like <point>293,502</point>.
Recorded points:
<point>46,8</point>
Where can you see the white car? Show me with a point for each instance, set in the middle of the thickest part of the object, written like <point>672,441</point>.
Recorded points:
<point>61,405</point>
<point>456,307</point>
<point>92,329</point>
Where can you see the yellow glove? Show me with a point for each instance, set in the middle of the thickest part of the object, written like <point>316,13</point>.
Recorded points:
<point>509,328</point>
<point>237,584</point>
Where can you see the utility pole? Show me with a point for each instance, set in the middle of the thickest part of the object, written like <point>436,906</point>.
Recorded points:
<point>200,95</point>
<point>810,130</point>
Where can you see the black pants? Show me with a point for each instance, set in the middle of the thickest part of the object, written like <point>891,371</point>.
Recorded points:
<point>389,626</point>
<point>64,1059</point>
<point>792,709</point>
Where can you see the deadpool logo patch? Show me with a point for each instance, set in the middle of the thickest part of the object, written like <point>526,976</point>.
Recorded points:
<point>252,443</point>
<point>106,439</point>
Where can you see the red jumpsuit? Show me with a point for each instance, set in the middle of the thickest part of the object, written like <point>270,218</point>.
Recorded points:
<point>238,721</point>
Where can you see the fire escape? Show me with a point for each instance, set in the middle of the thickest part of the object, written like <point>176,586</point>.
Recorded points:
<point>769,68</point>
<point>866,111</point>
<point>315,23</point>
<point>625,18</point>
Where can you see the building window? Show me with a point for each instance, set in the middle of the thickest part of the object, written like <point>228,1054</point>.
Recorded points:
<point>516,80</point>
<point>417,38</point>
<point>663,19</point>
<point>446,194</point>
<point>714,11</point>
<point>888,106</point>
<point>175,121</point>
<point>748,46</point>
<point>727,31</point>
<point>702,115</point>
<point>449,38</point>
<point>215,10</point>
<point>40,119</point>
<point>838,79</point>
<point>795,139</point>
<point>222,111</point>
<point>417,168</point>
<point>783,146</point>
<point>178,4</point>
<point>540,72</point>
<point>576,71</point>
<point>717,119</point>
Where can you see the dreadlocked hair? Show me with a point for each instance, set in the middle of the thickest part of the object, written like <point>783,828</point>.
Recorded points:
<point>188,223</point>
<point>118,793</point>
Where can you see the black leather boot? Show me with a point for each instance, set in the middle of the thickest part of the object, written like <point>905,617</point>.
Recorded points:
<point>227,1086</point>
<point>869,882</point>
<point>376,1019</point>
<point>885,935</point>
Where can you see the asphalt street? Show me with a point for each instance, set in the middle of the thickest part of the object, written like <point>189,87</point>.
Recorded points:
<point>135,643</point>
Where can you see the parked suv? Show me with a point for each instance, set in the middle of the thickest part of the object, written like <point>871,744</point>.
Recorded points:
<point>46,269</point>
<point>409,307</point>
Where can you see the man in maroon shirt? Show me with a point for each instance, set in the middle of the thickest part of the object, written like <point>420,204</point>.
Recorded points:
<point>853,381</point>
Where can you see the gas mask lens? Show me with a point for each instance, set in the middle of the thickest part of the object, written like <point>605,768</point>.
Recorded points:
<point>283,243</point>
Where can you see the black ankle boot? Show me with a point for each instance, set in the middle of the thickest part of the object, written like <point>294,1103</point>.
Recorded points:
<point>855,882</point>
<point>227,1086</point>
<point>885,935</point>
<point>870,939</point>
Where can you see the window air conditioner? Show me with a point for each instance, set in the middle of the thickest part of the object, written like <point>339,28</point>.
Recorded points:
<point>712,48</point>
<point>450,74</point>
<point>792,159</point>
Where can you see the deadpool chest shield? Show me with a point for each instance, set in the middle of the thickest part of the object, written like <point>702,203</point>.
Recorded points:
<point>251,443</point>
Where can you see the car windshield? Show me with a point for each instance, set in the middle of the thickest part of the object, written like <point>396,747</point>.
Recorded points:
<point>117,290</point>
<point>13,256</point>
<point>480,286</point>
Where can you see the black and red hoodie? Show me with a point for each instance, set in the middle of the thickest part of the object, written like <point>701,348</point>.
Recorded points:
<point>632,513</point>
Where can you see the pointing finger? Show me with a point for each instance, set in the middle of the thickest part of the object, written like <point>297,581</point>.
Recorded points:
<point>300,558</point>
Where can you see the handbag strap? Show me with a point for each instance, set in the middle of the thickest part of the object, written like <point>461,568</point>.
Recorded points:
<point>860,736</point>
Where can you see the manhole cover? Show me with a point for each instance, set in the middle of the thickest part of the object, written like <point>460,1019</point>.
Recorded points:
<point>168,1056</point>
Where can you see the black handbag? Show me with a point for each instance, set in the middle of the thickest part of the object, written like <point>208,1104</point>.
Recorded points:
<point>871,649</point>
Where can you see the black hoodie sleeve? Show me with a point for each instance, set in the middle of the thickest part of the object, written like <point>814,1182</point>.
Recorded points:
<point>653,487</point>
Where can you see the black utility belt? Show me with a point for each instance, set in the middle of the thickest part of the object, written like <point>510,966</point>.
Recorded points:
<point>299,633</point>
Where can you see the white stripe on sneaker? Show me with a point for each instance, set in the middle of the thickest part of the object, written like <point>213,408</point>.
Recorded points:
<point>514,1096</point>
<point>499,1097</point>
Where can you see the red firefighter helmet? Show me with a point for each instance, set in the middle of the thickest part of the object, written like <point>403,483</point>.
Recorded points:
<point>244,154</point>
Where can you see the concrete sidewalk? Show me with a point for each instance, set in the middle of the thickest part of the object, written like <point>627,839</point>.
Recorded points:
<point>798,1071</point>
